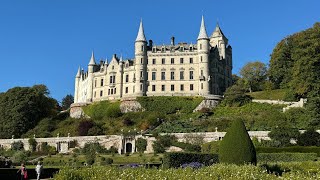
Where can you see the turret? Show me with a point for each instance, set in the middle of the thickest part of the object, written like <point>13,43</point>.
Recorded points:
<point>91,67</point>
<point>91,64</point>
<point>218,39</point>
<point>121,75</point>
<point>76,89</point>
<point>140,62</point>
<point>203,57</point>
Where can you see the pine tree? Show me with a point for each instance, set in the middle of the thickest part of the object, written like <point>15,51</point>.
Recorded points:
<point>236,146</point>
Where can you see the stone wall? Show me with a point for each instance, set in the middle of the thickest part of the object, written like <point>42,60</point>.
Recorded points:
<point>76,110</point>
<point>288,103</point>
<point>209,102</point>
<point>130,105</point>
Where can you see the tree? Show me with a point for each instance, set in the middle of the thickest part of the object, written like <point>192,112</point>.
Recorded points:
<point>236,147</point>
<point>254,74</point>
<point>17,146</point>
<point>141,145</point>
<point>236,96</point>
<point>67,101</point>
<point>21,108</point>
<point>309,138</point>
<point>33,144</point>
<point>283,134</point>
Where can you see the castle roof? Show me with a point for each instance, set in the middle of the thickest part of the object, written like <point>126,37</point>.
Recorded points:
<point>203,32</point>
<point>92,61</point>
<point>217,32</point>
<point>78,73</point>
<point>141,36</point>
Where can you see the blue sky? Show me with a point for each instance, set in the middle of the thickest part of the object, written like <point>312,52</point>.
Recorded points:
<point>45,41</point>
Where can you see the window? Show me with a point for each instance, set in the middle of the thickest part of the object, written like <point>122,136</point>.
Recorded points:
<point>181,87</point>
<point>101,93</point>
<point>112,79</point>
<point>95,83</point>
<point>115,90</point>
<point>181,48</point>
<point>154,49</point>
<point>111,91</point>
<point>172,75</point>
<point>108,91</point>
<point>191,60</point>
<point>141,61</point>
<point>172,60</point>
<point>127,90</point>
<point>112,67</point>
<point>200,46</point>
<point>181,75</point>
<point>142,48</point>
<point>201,85</point>
<point>141,74</point>
<point>191,75</point>
<point>153,61</point>
<point>163,87</point>
<point>201,58</point>
<point>94,94</point>
<point>172,87</point>
<point>191,87</point>
<point>163,61</point>
<point>163,75</point>
<point>163,49</point>
<point>101,83</point>
<point>153,87</point>
<point>153,75</point>
<point>127,78</point>
<point>181,60</point>
<point>140,87</point>
<point>201,72</point>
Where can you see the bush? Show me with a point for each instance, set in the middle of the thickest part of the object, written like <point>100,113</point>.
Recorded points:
<point>17,146</point>
<point>158,148</point>
<point>283,134</point>
<point>236,96</point>
<point>176,159</point>
<point>84,127</point>
<point>211,147</point>
<point>291,149</point>
<point>20,156</point>
<point>187,146</point>
<point>141,145</point>
<point>309,138</point>
<point>100,110</point>
<point>236,147</point>
<point>285,157</point>
<point>109,161</point>
<point>93,146</point>
<point>33,144</point>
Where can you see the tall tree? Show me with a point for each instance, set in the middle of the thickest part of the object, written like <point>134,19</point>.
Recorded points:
<point>21,108</point>
<point>67,101</point>
<point>254,75</point>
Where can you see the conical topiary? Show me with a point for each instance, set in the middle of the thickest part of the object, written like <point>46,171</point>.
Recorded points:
<point>236,147</point>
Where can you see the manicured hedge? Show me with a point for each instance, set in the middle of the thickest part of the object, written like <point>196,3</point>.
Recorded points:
<point>176,159</point>
<point>291,149</point>
<point>285,157</point>
<point>171,104</point>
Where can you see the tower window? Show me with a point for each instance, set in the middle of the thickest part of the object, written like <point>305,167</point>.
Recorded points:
<point>141,61</point>
<point>101,83</point>
<point>108,91</point>
<point>153,87</point>
<point>191,60</point>
<point>127,90</point>
<point>201,58</point>
<point>181,48</point>
<point>101,93</point>
<point>172,87</point>
<point>141,74</point>
<point>201,74</point>
<point>181,75</point>
<point>153,76</point>
<point>200,46</point>
<point>127,78</point>
<point>163,49</point>
<point>172,75</point>
<point>115,90</point>
<point>181,60</point>
<point>112,67</point>
<point>142,48</point>
<point>153,61</point>
<point>172,60</point>
<point>163,75</point>
<point>163,61</point>
<point>191,75</point>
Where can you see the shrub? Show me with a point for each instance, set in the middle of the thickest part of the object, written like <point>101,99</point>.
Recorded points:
<point>236,96</point>
<point>20,156</point>
<point>187,146</point>
<point>141,145</point>
<point>309,138</point>
<point>17,146</point>
<point>158,148</point>
<point>211,147</point>
<point>291,149</point>
<point>176,159</point>
<point>283,134</point>
<point>236,147</point>
<point>286,157</point>
<point>109,161</point>
<point>33,144</point>
<point>84,127</point>
<point>93,146</point>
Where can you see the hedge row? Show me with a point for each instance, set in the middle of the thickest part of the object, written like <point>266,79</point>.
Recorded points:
<point>291,149</point>
<point>285,157</point>
<point>170,105</point>
<point>176,159</point>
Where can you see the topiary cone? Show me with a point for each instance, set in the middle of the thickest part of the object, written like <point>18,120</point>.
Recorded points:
<point>236,147</point>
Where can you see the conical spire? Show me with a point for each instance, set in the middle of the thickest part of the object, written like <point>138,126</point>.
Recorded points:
<point>78,73</point>
<point>141,36</point>
<point>121,58</point>
<point>217,31</point>
<point>92,61</point>
<point>203,32</point>
<point>106,61</point>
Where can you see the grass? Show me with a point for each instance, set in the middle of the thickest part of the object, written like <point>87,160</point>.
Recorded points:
<point>277,94</point>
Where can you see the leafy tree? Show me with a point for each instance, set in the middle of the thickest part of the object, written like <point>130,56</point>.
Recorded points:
<point>84,127</point>
<point>67,101</point>
<point>254,75</point>
<point>21,108</point>
<point>236,147</point>
<point>141,145</point>
<point>235,96</point>
<point>309,138</point>
<point>17,146</point>
<point>33,144</point>
<point>283,134</point>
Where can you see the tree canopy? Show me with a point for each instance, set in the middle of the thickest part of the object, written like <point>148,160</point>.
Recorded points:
<point>21,108</point>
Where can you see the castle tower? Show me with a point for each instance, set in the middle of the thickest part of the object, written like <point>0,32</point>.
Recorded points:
<point>121,76</point>
<point>91,67</point>
<point>203,57</point>
<point>218,39</point>
<point>76,90</point>
<point>140,62</point>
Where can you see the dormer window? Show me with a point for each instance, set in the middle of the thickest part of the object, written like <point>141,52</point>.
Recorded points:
<point>190,48</point>
<point>154,49</point>
<point>112,67</point>
<point>162,49</point>
<point>181,48</point>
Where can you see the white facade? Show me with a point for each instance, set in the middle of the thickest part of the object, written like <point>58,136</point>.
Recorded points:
<point>200,69</point>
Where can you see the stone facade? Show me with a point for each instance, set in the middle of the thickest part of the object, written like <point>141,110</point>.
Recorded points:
<point>196,69</point>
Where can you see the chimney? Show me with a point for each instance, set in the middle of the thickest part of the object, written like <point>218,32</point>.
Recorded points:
<point>172,41</point>
<point>150,43</point>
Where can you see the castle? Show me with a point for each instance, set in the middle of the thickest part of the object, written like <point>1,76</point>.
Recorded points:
<point>200,69</point>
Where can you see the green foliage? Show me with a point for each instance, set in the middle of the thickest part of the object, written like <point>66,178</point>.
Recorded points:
<point>103,109</point>
<point>211,147</point>
<point>176,159</point>
<point>285,157</point>
<point>170,105</point>
<point>309,138</point>
<point>20,157</point>
<point>45,148</point>
<point>298,117</point>
<point>141,145</point>
<point>291,149</point>
<point>235,96</point>
<point>187,147</point>
<point>158,148</point>
<point>236,147</point>
<point>93,146</point>
<point>33,144</point>
<point>313,107</point>
<point>254,75</point>
<point>17,146</point>
<point>21,108</point>
<point>276,94</point>
<point>67,101</point>
<point>283,134</point>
